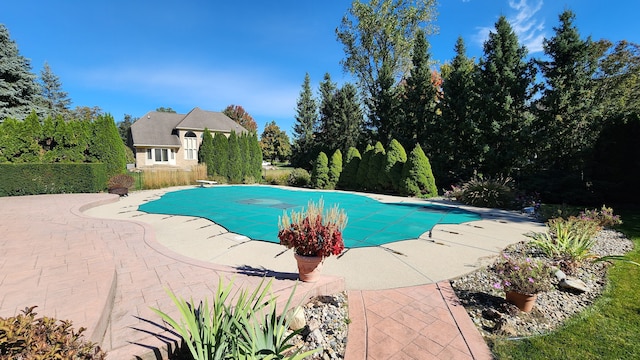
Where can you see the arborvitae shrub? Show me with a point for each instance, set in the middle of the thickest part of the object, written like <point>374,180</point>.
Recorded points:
<point>376,176</point>
<point>417,177</point>
<point>256,156</point>
<point>58,178</point>
<point>395,159</point>
<point>363,169</point>
<point>106,146</point>
<point>320,172</point>
<point>335,169</point>
<point>235,160</point>
<point>220,160</point>
<point>350,169</point>
<point>205,153</point>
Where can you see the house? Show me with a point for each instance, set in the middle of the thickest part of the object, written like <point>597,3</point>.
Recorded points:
<point>173,140</point>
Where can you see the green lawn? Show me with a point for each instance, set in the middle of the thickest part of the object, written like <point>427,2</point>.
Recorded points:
<point>608,330</point>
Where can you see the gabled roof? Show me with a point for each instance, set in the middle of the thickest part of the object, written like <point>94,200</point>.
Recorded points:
<point>159,128</point>
<point>156,129</point>
<point>198,119</point>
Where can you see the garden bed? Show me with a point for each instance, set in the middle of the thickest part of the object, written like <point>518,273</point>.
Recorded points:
<point>494,317</point>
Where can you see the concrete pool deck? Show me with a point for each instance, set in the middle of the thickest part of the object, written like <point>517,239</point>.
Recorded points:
<point>95,260</point>
<point>453,250</point>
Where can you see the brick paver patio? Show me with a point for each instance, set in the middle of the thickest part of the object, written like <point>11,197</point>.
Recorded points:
<point>105,275</point>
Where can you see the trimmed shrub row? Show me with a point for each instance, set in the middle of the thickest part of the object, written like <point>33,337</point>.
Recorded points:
<point>33,179</point>
<point>377,170</point>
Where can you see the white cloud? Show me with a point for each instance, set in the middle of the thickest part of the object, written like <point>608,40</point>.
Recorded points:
<point>530,30</point>
<point>528,27</point>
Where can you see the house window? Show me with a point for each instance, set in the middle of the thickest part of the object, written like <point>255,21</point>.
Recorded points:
<point>190,146</point>
<point>161,155</point>
<point>149,155</point>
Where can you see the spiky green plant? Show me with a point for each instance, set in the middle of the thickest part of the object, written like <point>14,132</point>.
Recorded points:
<point>565,242</point>
<point>233,327</point>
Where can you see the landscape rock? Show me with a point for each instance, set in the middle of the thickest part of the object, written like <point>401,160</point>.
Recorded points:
<point>573,284</point>
<point>296,318</point>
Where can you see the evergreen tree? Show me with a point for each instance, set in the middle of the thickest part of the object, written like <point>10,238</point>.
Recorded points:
<point>349,118</point>
<point>256,157</point>
<point>69,141</point>
<point>220,160</point>
<point>19,91</point>
<point>395,159</point>
<point>384,106</point>
<point>504,88</point>
<point>320,172</point>
<point>419,102</point>
<point>417,177</point>
<point>348,177</point>
<point>85,113</point>
<point>124,126</point>
<point>459,154</point>
<point>245,154</point>
<point>106,146</point>
<point>363,168</point>
<point>235,160</point>
<point>205,153</point>
<point>165,109</point>
<point>304,127</point>
<point>327,126</point>
<point>567,128</point>
<point>19,142</point>
<point>335,169</point>
<point>376,177</point>
<point>56,101</point>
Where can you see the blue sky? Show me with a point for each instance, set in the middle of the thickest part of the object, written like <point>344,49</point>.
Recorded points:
<point>130,57</point>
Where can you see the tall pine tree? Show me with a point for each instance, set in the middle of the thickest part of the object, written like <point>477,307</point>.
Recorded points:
<point>56,101</point>
<point>504,88</point>
<point>349,118</point>
<point>327,127</point>
<point>304,127</point>
<point>419,102</point>
<point>566,112</point>
<point>458,156</point>
<point>19,91</point>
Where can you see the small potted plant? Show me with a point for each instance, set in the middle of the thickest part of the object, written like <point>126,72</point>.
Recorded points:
<point>313,234</point>
<point>522,279</point>
<point>120,184</point>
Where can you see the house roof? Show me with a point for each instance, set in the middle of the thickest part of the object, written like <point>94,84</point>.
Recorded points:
<point>198,119</point>
<point>159,128</point>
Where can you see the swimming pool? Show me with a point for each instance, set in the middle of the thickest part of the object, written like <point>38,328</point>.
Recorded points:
<point>253,211</point>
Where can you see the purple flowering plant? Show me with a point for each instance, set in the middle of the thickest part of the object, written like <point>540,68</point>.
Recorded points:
<point>523,275</point>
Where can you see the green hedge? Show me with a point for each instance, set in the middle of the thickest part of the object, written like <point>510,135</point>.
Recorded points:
<point>57,178</point>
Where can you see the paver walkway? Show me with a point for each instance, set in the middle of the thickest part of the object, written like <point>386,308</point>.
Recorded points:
<point>105,274</point>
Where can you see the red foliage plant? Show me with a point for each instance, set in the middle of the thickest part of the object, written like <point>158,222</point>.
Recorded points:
<point>313,232</point>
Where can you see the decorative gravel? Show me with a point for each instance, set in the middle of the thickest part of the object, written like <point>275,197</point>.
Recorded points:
<point>494,317</point>
<point>327,316</point>
<point>327,325</point>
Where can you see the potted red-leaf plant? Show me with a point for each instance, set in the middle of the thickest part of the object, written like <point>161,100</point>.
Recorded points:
<point>313,234</point>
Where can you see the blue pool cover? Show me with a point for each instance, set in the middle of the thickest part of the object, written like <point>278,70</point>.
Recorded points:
<point>253,211</point>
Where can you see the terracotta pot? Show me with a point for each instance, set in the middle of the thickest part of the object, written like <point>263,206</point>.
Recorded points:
<point>309,267</point>
<point>524,302</point>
